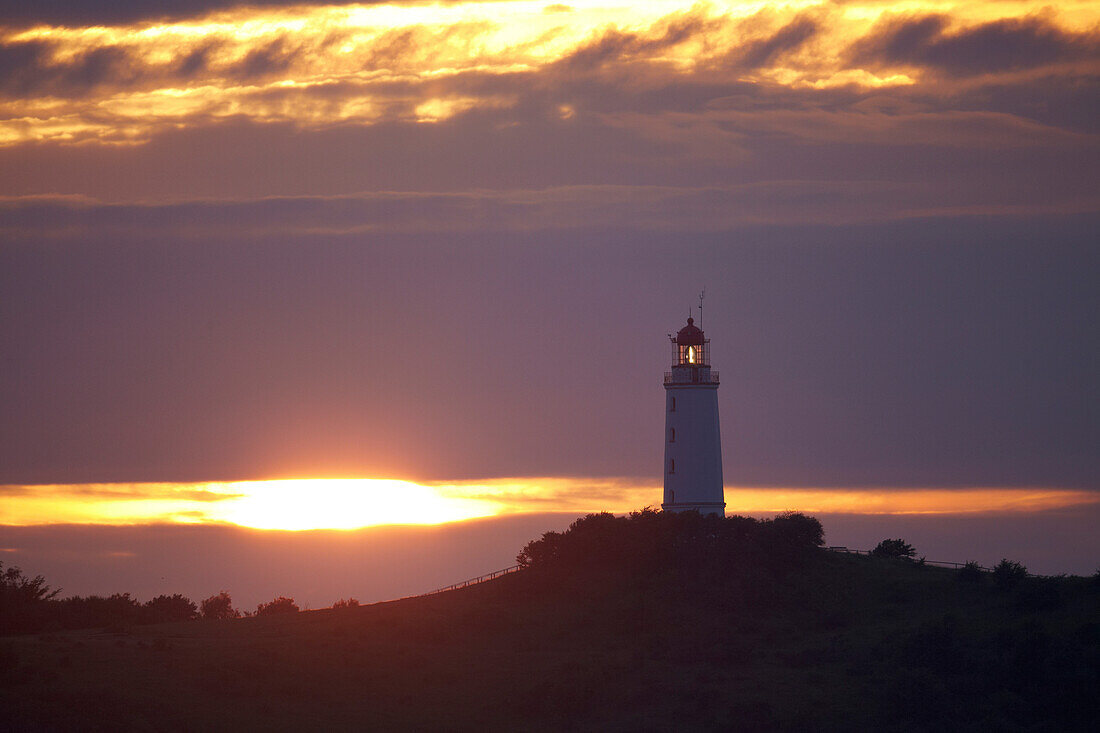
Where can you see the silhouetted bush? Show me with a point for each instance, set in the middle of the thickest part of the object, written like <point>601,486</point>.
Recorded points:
<point>164,609</point>
<point>970,573</point>
<point>346,603</point>
<point>1040,594</point>
<point>116,611</point>
<point>1007,574</point>
<point>281,604</point>
<point>28,605</point>
<point>685,547</point>
<point>898,548</point>
<point>219,607</point>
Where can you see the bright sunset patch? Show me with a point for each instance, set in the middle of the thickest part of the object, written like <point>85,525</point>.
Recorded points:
<point>340,504</point>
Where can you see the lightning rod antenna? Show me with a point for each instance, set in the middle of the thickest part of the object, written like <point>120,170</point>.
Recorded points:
<point>701,294</point>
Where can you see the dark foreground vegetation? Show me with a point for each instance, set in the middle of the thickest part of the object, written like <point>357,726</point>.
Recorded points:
<point>29,605</point>
<point>651,622</point>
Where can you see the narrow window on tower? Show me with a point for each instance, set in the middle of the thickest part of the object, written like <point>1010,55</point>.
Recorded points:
<point>672,404</point>
<point>672,435</point>
<point>672,465</point>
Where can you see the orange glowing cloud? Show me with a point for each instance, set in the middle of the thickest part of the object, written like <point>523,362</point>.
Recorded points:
<point>316,65</point>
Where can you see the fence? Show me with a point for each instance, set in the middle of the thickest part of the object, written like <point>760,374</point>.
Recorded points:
<point>939,563</point>
<point>514,568</point>
<point>466,583</point>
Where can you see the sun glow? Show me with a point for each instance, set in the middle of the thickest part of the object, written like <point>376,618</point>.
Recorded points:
<point>303,504</point>
<point>293,504</point>
<point>342,504</point>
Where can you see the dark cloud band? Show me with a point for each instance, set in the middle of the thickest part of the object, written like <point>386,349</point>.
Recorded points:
<point>999,46</point>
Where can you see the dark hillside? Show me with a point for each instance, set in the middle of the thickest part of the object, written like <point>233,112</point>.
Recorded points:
<point>652,622</point>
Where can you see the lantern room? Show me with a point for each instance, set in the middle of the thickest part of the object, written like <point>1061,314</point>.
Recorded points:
<point>690,347</point>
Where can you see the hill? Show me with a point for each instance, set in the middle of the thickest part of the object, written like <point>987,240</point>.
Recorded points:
<point>650,622</point>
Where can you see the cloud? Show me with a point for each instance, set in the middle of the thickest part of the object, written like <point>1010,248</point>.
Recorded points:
<point>97,12</point>
<point>764,52</point>
<point>27,68</point>
<point>759,154</point>
<point>117,86</point>
<point>613,47</point>
<point>271,58</point>
<point>712,42</point>
<point>30,68</point>
<point>36,68</point>
<point>15,59</point>
<point>11,490</point>
<point>1000,46</point>
<point>115,492</point>
<point>643,208</point>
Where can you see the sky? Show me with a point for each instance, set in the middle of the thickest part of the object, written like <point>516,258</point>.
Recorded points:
<point>300,266</point>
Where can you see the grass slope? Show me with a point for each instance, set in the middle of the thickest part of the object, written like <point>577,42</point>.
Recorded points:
<point>819,641</point>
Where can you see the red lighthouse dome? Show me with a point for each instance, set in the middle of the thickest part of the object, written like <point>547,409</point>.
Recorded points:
<point>690,335</point>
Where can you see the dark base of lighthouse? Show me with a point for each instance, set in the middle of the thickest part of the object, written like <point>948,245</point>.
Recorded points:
<point>718,508</point>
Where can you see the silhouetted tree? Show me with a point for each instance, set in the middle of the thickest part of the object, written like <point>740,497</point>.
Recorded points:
<point>22,600</point>
<point>801,529</point>
<point>970,573</point>
<point>163,609</point>
<point>1007,573</point>
<point>894,548</point>
<point>15,587</point>
<point>541,551</point>
<point>346,603</point>
<point>219,607</point>
<point>281,604</point>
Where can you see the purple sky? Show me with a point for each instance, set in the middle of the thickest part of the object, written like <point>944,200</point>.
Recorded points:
<point>923,353</point>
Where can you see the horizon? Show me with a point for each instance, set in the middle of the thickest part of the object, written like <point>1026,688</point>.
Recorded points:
<point>387,562</point>
<point>383,562</point>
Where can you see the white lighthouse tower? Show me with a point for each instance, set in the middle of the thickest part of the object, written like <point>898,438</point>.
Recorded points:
<point>693,445</point>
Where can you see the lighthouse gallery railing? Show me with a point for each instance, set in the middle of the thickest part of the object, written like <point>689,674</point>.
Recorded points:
<point>703,379</point>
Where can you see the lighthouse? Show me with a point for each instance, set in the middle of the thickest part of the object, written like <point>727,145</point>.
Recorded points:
<point>693,445</point>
